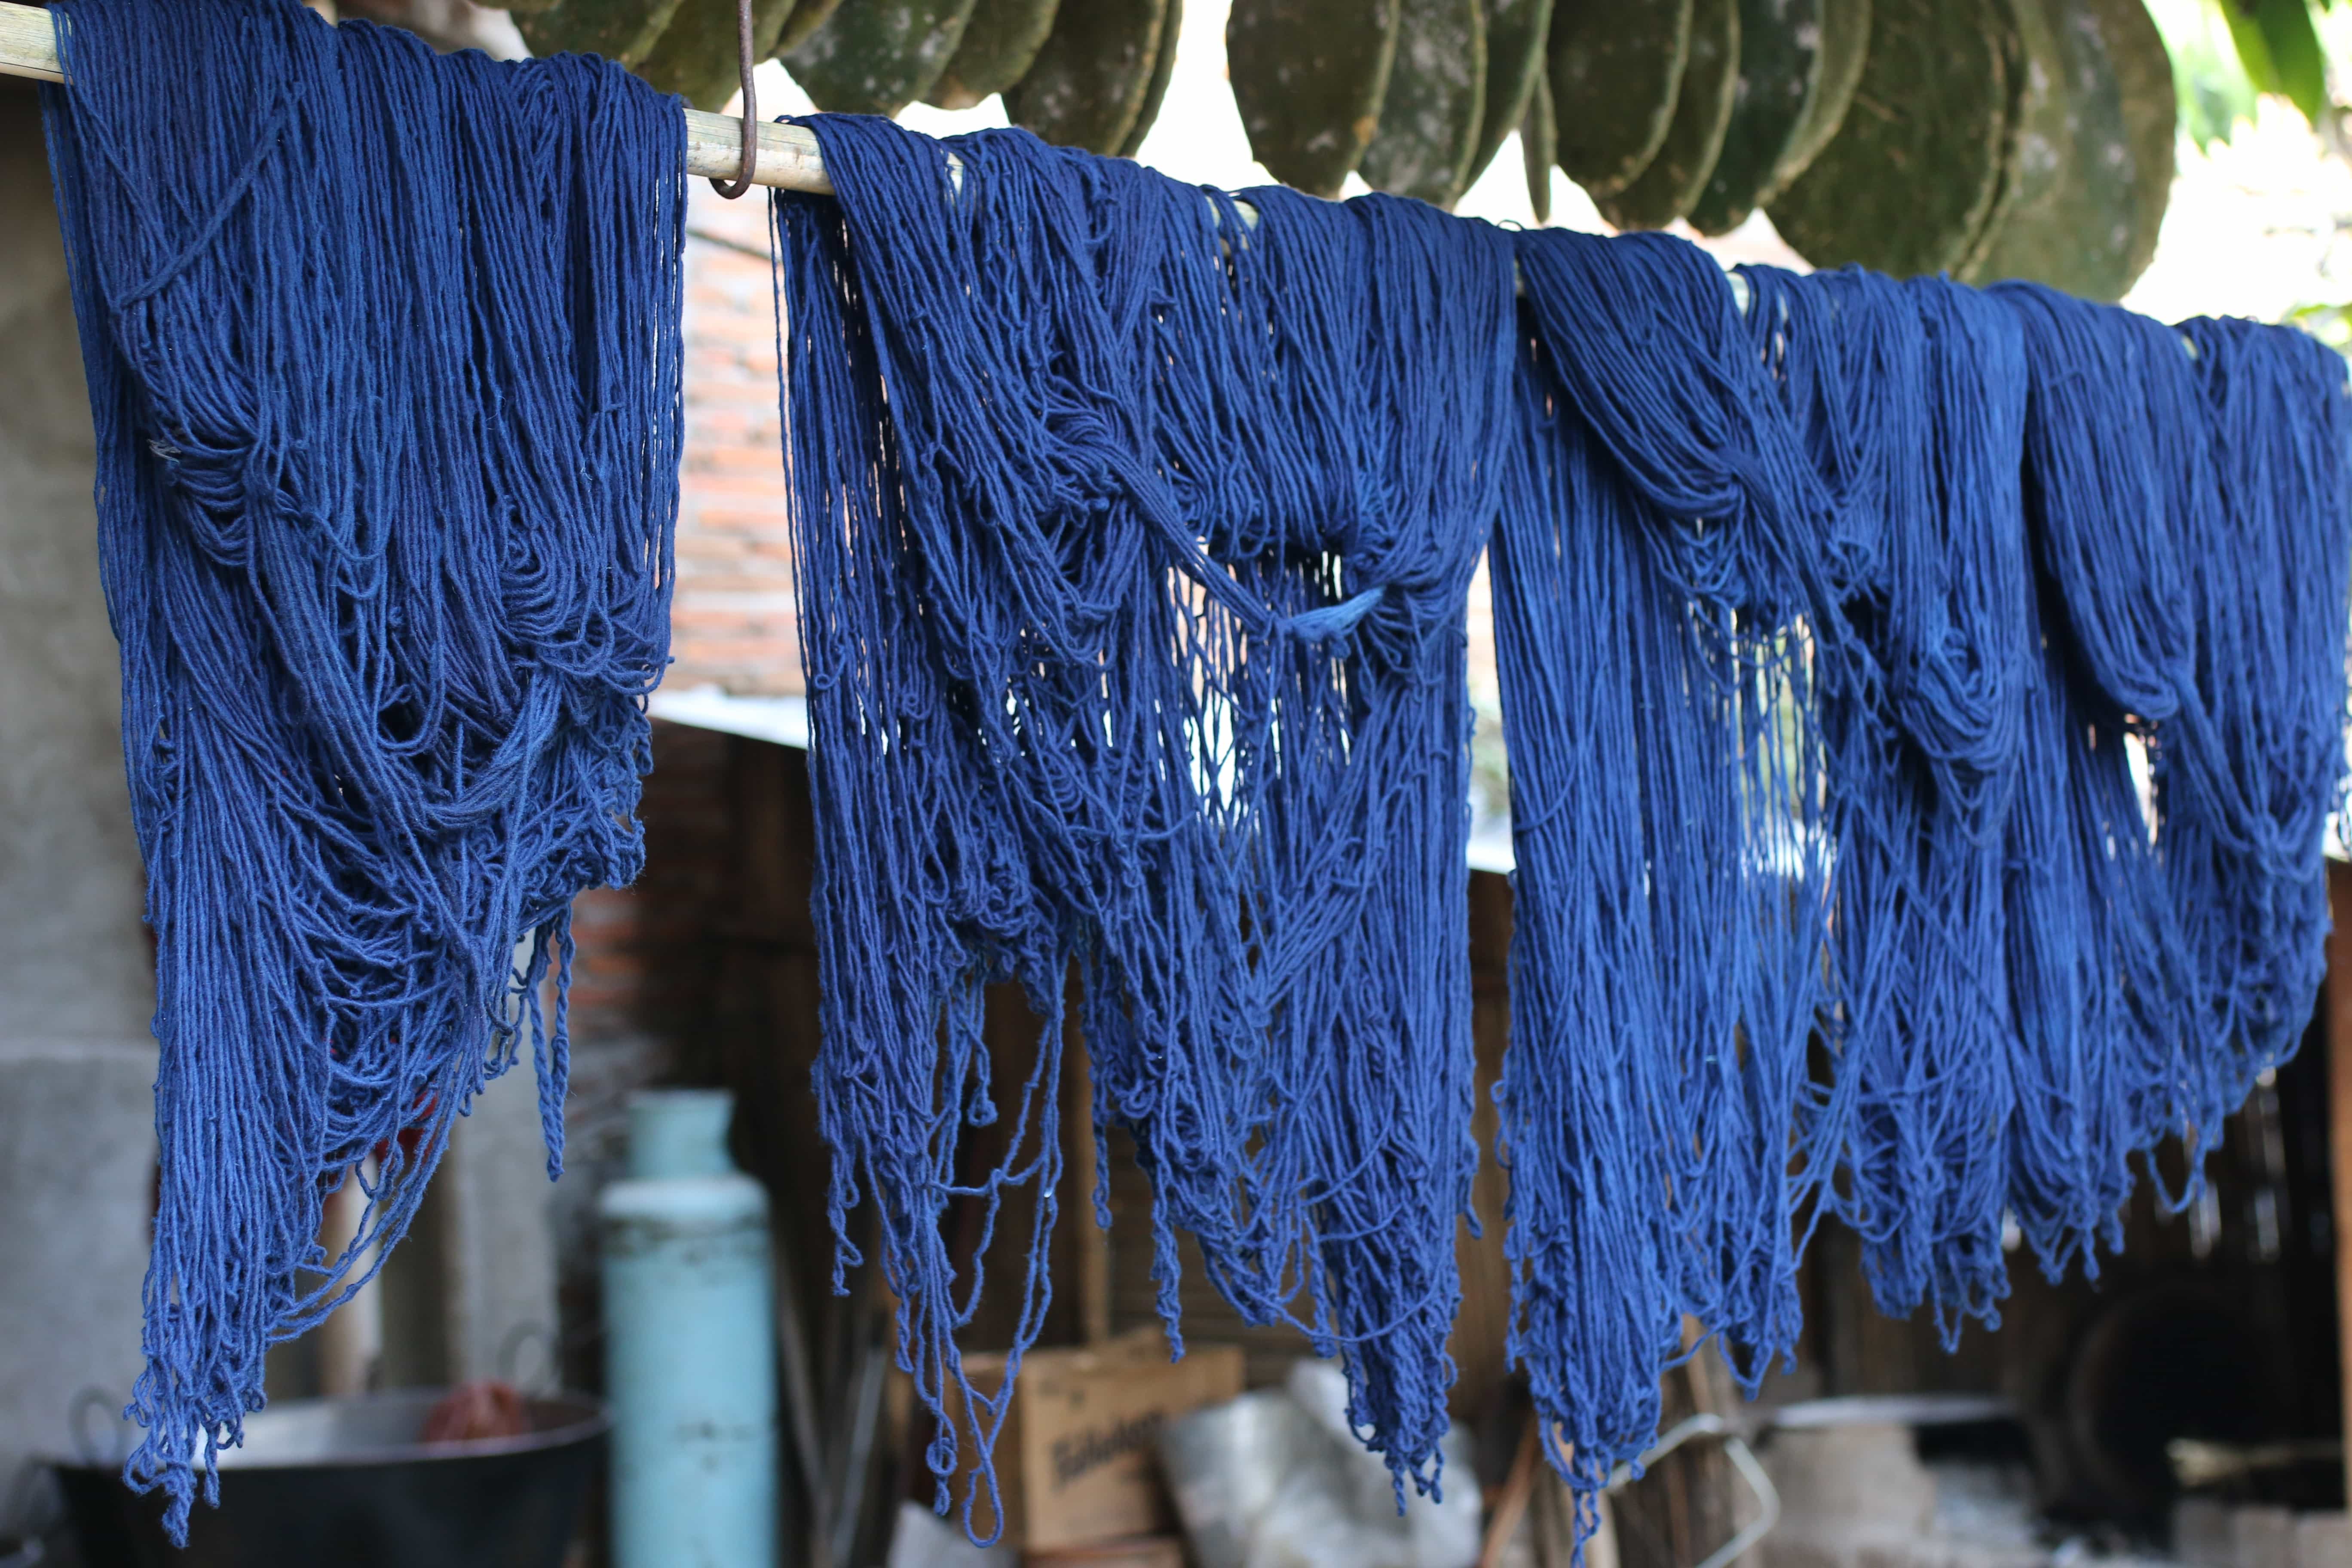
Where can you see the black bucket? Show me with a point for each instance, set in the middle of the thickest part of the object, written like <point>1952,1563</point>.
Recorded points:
<point>343,1483</point>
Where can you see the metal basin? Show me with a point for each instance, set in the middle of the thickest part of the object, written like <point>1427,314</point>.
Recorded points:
<point>343,1483</point>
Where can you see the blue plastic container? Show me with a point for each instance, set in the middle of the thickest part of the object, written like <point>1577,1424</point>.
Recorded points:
<point>690,1344</point>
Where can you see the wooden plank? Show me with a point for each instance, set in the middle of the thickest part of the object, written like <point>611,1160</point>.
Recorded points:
<point>2337,1000</point>
<point>1085,1170</point>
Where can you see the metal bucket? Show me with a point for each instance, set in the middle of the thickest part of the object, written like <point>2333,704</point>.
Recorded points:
<point>343,1483</point>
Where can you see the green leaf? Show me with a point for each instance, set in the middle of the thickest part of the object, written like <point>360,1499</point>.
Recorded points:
<point>2254,49</point>
<point>2209,81</point>
<point>2297,67</point>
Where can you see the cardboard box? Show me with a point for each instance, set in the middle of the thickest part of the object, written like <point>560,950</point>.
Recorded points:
<point>1078,1462</point>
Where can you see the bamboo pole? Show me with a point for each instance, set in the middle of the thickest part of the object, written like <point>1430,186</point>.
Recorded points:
<point>28,44</point>
<point>788,160</point>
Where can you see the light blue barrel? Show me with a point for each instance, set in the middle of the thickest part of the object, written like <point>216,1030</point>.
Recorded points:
<point>690,1344</point>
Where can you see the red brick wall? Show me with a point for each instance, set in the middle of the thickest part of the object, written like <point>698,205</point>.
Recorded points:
<point>642,967</point>
<point>732,621</point>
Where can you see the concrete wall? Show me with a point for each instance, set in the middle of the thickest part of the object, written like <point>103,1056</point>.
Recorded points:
<point>77,1064</point>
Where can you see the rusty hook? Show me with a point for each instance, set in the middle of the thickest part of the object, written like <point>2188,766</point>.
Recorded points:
<point>742,183</point>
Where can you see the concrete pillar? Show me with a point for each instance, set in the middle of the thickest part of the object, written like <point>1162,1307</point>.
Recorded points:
<point>76,989</point>
<point>499,1239</point>
<point>470,1292</point>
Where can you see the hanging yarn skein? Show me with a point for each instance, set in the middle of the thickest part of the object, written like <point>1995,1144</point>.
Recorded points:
<point>2244,797</point>
<point>2195,535</point>
<point>1652,596</point>
<point>1911,399</point>
<point>1133,543</point>
<point>2103,983</point>
<point>1924,767</point>
<point>384,357</point>
<point>1822,647</point>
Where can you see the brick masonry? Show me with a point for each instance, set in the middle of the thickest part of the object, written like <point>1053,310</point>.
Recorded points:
<point>732,624</point>
<point>640,974</point>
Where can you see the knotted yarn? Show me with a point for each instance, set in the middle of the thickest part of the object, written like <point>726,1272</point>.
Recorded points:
<point>1133,526</point>
<point>383,358</point>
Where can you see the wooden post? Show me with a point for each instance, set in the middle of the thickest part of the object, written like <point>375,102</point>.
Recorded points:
<point>1083,1171</point>
<point>2338,1002</point>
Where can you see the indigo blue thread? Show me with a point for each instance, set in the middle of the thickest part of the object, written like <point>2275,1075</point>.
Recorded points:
<point>1820,641</point>
<point>384,356</point>
<point>1133,541</point>
<point>2245,794</point>
<point>1948,616</point>
<point>1657,548</point>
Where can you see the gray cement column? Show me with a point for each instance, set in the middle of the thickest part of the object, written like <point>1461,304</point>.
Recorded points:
<point>77,1063</point>
<point>498,1243</point>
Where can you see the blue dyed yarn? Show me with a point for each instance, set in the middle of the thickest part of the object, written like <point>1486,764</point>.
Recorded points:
<point>1925,764</point>
<point>1821,636</point>
<point>1652,567</point>
<point>2103,981</point>
<point>383,351</point>
<point>1133,534</point>
<point>2191,523</point>
<point>2244,794</point>
<point>2095,967</point>
<point>1911,400</point>
<point>1134,527</point>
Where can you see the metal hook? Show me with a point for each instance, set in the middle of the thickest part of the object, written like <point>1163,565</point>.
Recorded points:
<point>735,187</point>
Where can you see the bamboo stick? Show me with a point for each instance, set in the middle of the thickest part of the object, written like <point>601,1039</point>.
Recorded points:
<point>28,44</point>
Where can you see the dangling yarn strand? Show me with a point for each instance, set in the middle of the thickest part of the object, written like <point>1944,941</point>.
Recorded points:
<point>384,356</point>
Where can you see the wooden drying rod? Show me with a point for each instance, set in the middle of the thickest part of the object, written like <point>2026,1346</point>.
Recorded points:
<point>788,154</point>
<point>789,159</point>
